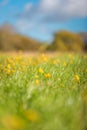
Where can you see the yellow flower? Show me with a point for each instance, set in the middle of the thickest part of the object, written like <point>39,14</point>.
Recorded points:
<point>55,62</point>
<point>77,78</point>
<point>70,56</point>
<point>7,71</point>
<point>59,79</point>
<point>40,70</point>
<point>44,57</point>
<point>64,64</point>
<point>86,70</point>
<point>12,122</point>
<point>8,66</point>
<point>32,115</point>
<point>37,82</point>
<point>48,75</point>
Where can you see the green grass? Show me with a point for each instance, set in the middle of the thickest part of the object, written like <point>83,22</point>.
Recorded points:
<point>31,101</point>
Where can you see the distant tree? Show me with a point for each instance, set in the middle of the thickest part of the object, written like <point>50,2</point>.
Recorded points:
<point>10,40</point>
<point>83,36</point>
<point>66,41</point>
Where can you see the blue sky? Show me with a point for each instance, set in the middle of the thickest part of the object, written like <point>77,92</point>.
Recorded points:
<point>41,18</point>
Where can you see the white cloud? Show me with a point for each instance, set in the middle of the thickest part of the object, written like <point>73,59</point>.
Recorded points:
<point>23,25</point>
<point>49,5</point>
<point>63,9</point>
<point>55,10</point>
<point>28,7</point>
<point>37,17</point>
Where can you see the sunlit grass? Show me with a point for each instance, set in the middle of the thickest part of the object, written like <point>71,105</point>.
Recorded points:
<point>43,93</point>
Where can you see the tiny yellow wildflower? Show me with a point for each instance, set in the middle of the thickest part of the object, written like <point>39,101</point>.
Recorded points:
<point>12,122</point>
<point>8,66</point>
<point>40,70</point>
<point>48,75</point>
<point>7,71</point>
<point>77,78</point>
<point>70,56</point>
<point>37,82</point>
<point>59,79</point>
<point>54,62</point>
<point>32,115</point>
<point>64,64</point>
<point>44,57</point>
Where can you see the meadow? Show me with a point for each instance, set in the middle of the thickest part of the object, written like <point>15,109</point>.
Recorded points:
<point>43,92</point>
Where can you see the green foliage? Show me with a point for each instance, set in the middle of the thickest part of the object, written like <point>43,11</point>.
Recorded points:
<point>83,35</point>
<point>66,41</point>
<point>43,47</point>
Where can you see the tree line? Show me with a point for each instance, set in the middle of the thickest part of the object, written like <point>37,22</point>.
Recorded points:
<point>63,40</point>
